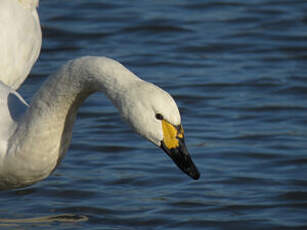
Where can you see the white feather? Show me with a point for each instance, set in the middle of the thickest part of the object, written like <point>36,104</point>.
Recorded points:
<point>20,40</point>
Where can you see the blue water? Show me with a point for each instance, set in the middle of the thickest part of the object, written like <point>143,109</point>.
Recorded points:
<point>238,71</point>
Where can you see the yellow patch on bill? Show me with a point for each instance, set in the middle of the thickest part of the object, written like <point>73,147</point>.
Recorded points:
<point>171,135</point>
<point>180,132</point>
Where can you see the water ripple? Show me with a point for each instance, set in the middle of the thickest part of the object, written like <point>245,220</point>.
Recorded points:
<point>237,70</point>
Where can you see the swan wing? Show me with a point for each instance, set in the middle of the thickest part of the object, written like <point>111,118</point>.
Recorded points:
<point>20,41</point>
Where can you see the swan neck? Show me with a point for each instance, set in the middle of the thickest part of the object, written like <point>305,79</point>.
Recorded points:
<point>44,132</point>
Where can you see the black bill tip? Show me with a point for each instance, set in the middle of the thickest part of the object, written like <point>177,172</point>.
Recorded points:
<point>182,159</point>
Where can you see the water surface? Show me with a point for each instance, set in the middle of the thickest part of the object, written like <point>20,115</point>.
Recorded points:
<point>237,70</point>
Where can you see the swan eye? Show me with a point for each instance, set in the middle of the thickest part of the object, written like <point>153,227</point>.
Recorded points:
<point>159,116</point>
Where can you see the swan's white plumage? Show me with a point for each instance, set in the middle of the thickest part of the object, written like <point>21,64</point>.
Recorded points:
<point>12,106</point>
<point>31,4</point>
<point>20,40</point>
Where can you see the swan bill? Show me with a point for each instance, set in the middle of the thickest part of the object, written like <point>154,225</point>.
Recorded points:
<point>173,144</point>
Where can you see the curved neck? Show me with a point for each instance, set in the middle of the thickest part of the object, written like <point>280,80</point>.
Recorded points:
<point>44,132</point>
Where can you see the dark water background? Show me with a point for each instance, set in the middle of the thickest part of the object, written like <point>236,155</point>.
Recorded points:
<point>238,71</point>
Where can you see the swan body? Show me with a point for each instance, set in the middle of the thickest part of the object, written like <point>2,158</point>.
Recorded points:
<point>36,137</point>
<point>20,40</point>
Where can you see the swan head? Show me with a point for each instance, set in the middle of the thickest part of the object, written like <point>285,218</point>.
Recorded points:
<point>153,114</point>
<point>149,110</point>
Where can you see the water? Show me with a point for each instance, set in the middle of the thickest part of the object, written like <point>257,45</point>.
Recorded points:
<point>237,70</point>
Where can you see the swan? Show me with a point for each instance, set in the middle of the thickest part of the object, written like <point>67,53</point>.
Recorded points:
<point>20,40</point>
<point>35,137</point>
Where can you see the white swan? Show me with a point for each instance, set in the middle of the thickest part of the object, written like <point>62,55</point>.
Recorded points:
<point>35,138</point>
<point>20,40</point>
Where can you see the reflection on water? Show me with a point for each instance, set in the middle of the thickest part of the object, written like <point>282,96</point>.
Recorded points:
<point>237,70</point>
<point>43,219</point>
